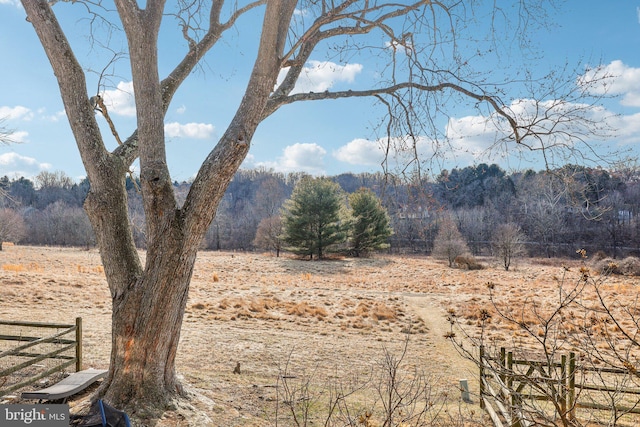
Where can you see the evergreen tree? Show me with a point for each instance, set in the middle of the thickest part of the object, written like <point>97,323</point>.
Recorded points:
<point>312,219</point>
<point>369,228</point>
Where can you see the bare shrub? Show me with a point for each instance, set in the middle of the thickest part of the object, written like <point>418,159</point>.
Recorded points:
<point>598,256</point>
<point>467,262</point>
<point>269,234</point>
<point>449,243</point>
<point>630,266</point>
<point>395,392</point>
<point>587,318</point>
<point>608,266</point>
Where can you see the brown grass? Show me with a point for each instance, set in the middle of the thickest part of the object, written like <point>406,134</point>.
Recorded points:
<point>332,318</point>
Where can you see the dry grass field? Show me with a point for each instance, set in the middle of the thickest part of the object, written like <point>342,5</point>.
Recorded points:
<point>330,322</point>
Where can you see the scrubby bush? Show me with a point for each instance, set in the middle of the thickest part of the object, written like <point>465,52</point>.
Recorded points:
<point>449,243</point>
<point>467,262</point>
<point>629,266</point>
<point>607,266</point>
<point>599,256</point>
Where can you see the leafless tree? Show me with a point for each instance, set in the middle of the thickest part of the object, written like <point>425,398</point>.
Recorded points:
<point>449,243</point>
<point>5,138</point>
<point>59,224</point>
<point>269,234</point>
<point>12,226</point>
<point>270,197</point>
<point>419,62</point>
<point>543,205</point>
<point>508,243</point>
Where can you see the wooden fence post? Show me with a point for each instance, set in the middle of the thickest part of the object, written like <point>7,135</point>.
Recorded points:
<point>509,372</point>
<point>503,361</point>
<point>78,344</point>
<point>481,377</point>
<point>516,404</point>
<point>564,386</point>
<point>571,393</point>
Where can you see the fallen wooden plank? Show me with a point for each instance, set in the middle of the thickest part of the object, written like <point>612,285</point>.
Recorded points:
<point>505,414</point>
<point>69,386</point>
<point>492,413</point>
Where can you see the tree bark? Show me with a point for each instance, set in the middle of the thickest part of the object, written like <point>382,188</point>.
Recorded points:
<point>146,329</point>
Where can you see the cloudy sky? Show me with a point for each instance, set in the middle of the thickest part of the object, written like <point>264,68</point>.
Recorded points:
<point>329,137</point>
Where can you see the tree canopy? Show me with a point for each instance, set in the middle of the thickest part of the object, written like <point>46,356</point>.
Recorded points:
<point>314,217</point>
<point>369,229</point>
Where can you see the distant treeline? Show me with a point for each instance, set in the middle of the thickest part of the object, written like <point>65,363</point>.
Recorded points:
<point>559,211</point>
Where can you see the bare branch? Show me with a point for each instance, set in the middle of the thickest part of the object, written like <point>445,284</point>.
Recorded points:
<point>391,90</point>
<point>129,150</point>
<point>5,133</point>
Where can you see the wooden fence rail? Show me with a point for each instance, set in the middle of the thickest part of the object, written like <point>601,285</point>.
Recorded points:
<point>509,386</point>
<point>21,365</point>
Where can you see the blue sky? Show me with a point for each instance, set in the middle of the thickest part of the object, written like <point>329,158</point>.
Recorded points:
<point>328,137</point>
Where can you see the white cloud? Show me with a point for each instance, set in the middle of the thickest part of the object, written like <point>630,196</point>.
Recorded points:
<point>13,164</point>
<point>628,128</point>
<point>19,136</point>
<point>15,3</point>
<point>320,76</point>
<point>16,113</point>
<point>54,118</point>
<point>189,130</point>
<point>393,153</point>
<point>362,152</point>
<point>483,137</point>
<point>477,138</point>
<point>615,78</point>
<point>249,162</point>
<point>405,46</point>
<point>181,109</point>
<point>471,135</point>
<point>120,101</point>
<point>300,157</point>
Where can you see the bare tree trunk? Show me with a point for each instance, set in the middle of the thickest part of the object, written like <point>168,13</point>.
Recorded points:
<point>149,302</point>
<point>146,330</point>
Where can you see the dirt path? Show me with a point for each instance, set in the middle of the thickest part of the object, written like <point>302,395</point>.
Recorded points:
<point>450,366</point>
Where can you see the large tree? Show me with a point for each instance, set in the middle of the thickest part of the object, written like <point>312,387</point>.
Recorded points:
<point>369,229</point>
<point>419,60</point>
<point>12,227</point>
<point>313,218</point>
